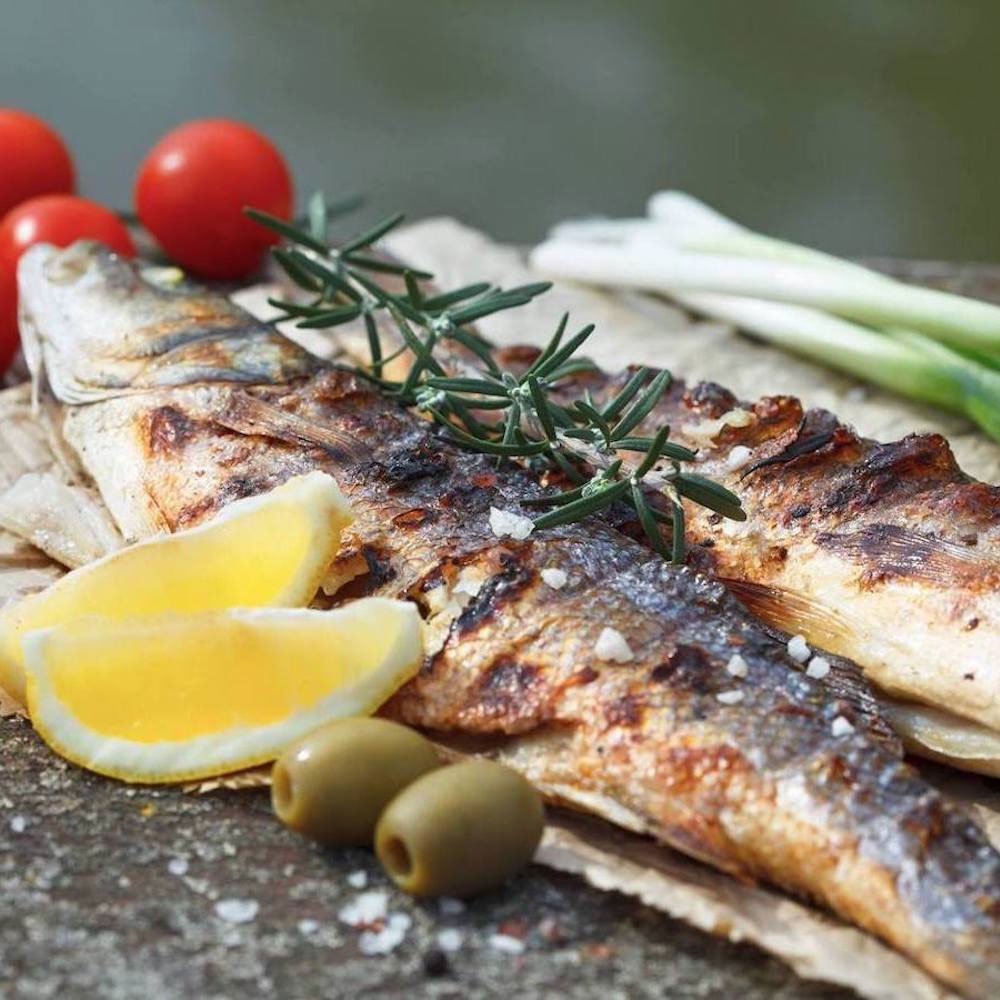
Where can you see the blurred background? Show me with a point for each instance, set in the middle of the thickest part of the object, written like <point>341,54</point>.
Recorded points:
<point>862,126</point>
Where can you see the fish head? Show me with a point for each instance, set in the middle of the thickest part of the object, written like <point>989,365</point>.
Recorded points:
<point>100,325</point>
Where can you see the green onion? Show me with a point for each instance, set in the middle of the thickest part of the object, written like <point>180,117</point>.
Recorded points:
<point>810,303</point>
<point>884,302</point>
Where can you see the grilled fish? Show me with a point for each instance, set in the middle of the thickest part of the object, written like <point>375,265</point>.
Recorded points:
<point>694,725</point>
<point>887,554</point>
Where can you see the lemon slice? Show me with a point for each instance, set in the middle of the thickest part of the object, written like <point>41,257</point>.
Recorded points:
<point>268,550</point>
<point>176,697</point>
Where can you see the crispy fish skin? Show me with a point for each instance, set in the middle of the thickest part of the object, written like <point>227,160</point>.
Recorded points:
<point>759,786</point>
<point>887,554</point>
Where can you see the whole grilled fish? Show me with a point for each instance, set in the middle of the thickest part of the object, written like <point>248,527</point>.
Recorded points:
<point>693,724</point>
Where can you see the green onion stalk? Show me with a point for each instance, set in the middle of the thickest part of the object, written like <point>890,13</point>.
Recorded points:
<point>928,345</point>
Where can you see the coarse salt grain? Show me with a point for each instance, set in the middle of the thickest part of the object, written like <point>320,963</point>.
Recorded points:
<point>237,911</point>
<point>819,667</point>
<point>737,666</point>
<point>841,727</point>
<point>18,824</point>
<point>381,942</point>
<point>729,697</point>
<point>450,939</point>
<point>177,866</point>
<point>357,880</point>
<point>307,926</point>
<point>798,648</point>
<point>555,578</point>
<point>468,583</point>
<point>612,645</point>
<point>506,522</point>
<point>737,458</point>
<point>506,943</point>
<point>365,909</point>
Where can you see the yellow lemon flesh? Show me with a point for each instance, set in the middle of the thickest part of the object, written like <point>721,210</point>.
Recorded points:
<point>269,550</point>
<point>175,697</point>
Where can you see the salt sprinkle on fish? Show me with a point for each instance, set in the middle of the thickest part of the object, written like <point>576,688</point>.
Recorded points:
<point>737,666</point>
<point>358,879</point>
<point>841,727</point>
<point>555,578</point>
<point>729,697</point>
<point>612,645</point>
<point>177,866</point>
<point>381,942</point>
<point>737,458</point>
<point>819,667</point>
<point>18,824</point>
<point>308,926</point>
<point>798,648</point>
<point>506,522</point>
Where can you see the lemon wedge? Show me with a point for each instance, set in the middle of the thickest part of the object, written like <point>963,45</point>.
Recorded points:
<point>176,697</point>
<point>269,550</point>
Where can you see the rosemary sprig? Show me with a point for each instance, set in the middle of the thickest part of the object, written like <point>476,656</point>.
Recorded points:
<point>512,415</point>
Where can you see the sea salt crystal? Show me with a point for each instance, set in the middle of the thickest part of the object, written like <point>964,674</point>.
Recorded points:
<point>612,645</point>
<point>450,939</point>
<point>506,522</point>
<point>729,697</point>
<point>365,909</point>
<point>18,824</point>
<point>737,666</point>
<point>555,578</point>
<point>237,911</point>
<point>798,649</point>
<point>358,879</point>
<point>819,667</point>
<point>737,458</point>
<point>380,942</point>
<point>506,943</point>
<point>468,583</point>
<point>450,906</point>
<point>841,727</point>
<point>177,866</point>
<point>402,921</point>
<point>308,926</point>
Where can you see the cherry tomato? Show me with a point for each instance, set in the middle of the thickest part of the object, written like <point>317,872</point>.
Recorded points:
<point>192,188</point>
<point>54,218</point>
<point>33,160</point>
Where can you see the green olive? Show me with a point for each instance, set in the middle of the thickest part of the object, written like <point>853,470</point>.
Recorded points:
<point>460,830</point>
<point>333,784</point>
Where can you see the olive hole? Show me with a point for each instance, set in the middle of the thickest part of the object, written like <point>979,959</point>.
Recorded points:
<point>282,789</point>
<point>396,857</point>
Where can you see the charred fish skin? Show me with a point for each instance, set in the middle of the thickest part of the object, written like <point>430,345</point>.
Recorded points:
<point>757,784</point>
<point>887,554</point>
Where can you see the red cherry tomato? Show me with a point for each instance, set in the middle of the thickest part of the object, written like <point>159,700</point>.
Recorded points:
<point>193,186</point>
<point>33,160</point>
<point>54,218</point>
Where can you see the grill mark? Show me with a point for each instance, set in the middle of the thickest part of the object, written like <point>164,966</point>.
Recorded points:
<point>498,590</point>
<point>887,552</point>
<point>169,430</point>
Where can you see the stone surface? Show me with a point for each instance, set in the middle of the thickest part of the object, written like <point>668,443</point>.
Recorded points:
<point>117,892</point>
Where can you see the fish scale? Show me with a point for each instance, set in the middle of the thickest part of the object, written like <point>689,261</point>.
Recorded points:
<point>760,787</point>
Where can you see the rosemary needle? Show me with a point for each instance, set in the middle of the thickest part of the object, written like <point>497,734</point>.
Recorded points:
<point>580,442</point>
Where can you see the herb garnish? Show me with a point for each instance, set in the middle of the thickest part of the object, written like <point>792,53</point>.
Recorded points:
<point>483,407</point>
